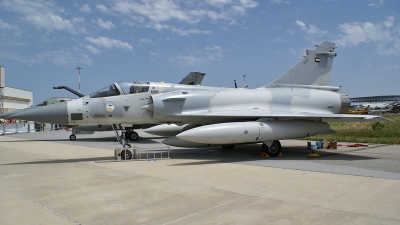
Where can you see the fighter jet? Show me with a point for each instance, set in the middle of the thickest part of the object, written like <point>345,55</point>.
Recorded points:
<point>297,104</point>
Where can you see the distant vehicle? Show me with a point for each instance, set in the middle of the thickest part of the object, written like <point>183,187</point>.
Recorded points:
<point>395,108</point>
<point>379,105</point>
<point>389,108</point>
<point>364,111</point>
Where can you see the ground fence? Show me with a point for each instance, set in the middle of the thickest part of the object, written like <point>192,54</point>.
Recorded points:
<point>15,128</point>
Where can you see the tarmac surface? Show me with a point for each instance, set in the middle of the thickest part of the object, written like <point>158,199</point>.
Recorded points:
<point>47,179</point>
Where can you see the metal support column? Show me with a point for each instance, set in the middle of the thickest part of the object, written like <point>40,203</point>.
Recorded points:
<point>1,100</point>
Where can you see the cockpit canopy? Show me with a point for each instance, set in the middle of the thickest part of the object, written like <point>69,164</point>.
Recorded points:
<point>134,87</point>
<point>122,88</point>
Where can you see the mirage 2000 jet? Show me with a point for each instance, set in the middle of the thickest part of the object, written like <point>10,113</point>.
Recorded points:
<point>297,104</point>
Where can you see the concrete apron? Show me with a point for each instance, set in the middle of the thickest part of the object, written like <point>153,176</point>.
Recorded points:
<point>44,182</point>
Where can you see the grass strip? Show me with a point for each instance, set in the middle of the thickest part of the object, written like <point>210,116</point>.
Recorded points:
<point>364,132</point>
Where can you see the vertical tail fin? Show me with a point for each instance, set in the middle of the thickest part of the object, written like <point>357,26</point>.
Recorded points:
<point>193,78</point>
<point>313,70</point>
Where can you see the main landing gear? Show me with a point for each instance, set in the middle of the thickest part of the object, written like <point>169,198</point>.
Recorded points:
<point>273,150</point>
<point>269,149</point>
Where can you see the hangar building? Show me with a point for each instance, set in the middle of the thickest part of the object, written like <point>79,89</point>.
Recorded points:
<point>374,99</point>
<point>12,98</point>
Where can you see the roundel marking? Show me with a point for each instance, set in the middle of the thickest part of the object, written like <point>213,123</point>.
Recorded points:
<point>110,107</point>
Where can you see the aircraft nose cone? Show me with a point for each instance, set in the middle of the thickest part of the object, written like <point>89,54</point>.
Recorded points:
<point>9,114</point>
<point>56,113</point>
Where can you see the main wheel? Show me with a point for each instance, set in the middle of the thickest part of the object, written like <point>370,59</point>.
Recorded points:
<point>126,154</point>
<point>228,146</point>
<point>133,136</point>
<point>274,150</point>
<point>72,137</point>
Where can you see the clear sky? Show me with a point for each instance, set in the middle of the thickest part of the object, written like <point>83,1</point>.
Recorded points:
<point>43,41</point>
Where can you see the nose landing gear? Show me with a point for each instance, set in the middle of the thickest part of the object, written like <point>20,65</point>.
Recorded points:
<point>132,135</point>
<point>125,136</point>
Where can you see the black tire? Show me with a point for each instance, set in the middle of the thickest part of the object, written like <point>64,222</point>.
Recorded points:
<point>133,136</point>
<point>274,150</point>
<point>126,154</point>
<point>72,137</point>
<point>228,146</point>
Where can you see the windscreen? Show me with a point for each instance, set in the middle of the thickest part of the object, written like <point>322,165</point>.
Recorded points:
<point>110,90</point>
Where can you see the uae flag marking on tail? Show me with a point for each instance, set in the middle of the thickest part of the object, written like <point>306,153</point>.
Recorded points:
<point>316,59</point>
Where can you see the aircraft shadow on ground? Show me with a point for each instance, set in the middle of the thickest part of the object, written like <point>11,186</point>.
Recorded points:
<point>252,153</point>
<point>213,155</point>
<point>52,161</point>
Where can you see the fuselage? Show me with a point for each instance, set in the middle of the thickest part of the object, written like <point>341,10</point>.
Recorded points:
<point>171,103</point>
<point>156,103</point>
